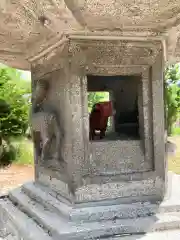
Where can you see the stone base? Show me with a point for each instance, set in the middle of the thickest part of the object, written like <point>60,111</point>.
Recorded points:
<point>9,237</point>
<point>34,212</point>
<point>149,186</point>
<point>165,235</point>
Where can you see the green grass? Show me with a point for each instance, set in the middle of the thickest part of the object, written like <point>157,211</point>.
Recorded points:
<point>174,162</point>
<point>24,151</point>
<point>176,131</point>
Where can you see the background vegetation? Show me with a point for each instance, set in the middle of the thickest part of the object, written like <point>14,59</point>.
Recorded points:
<point>95,97</point>
<point>15,96</point>
<point>172,98</point>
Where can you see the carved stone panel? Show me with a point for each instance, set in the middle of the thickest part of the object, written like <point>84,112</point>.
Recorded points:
<point>50,62</point>
<point>46,126</point>
<point>110,70</point>
<point>111,57</point>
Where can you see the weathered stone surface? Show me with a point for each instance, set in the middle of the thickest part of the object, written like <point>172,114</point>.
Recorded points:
<point>19,223</point>
<point>59,227</point>
<point>79,212</point>
<point>109,190</point>
<point>82,157</point>
<point>123,156</point>
<point>33,206</point>
<point>64,41</point>
<point>11,237</point>
<point>166,235</point>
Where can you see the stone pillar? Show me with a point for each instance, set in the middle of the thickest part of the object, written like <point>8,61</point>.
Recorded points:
<point>59,98</point>
<point>68,97</point>
<point>111,98</point>
<point>141,115</point>
<point>80,126</point>
<point>147,117</point>
<point>158,117</point>
<point>36,160</point>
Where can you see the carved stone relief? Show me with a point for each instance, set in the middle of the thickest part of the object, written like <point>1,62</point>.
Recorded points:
<point>50,62</point>
<point>115,70</point>
<point>77,58</point>
<point>46,126</point>
<point>110,57</point>
<point>98,57</point>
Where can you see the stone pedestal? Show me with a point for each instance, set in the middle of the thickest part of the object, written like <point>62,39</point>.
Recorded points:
<point>37,212</point>
<point>96,189</point>
<point>96,171</point>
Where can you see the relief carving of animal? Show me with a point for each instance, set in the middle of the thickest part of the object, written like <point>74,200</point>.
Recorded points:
<point>45,124</point>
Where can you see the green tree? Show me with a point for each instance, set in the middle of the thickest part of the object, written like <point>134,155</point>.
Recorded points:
<point>15,96</point>
<point>172,96</point>
<point>95,97</point>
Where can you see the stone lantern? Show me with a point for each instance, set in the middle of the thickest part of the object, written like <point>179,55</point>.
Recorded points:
<point>115,186</point>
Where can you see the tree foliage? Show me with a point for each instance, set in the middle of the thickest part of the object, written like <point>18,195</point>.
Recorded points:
<point>14,99</point>
<point>95,97</point>
<point>172,95</point>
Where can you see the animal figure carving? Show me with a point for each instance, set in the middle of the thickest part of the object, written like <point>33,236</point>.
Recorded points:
<point>98,119</point>
<point>45,124</point>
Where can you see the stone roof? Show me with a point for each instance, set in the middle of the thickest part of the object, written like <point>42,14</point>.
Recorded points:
<point>29,27</point>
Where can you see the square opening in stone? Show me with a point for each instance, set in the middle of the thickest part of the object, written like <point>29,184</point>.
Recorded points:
<point>113,107</point>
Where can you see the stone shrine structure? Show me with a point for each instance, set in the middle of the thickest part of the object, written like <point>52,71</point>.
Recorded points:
<point>117,187</point>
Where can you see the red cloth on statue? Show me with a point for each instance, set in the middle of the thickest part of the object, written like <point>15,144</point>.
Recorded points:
<point>105,108</point>
<point>99,116</point>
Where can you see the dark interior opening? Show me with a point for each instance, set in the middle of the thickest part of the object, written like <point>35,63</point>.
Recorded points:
<point>124,115</point>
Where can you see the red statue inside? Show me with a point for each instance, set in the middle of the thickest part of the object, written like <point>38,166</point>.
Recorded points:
<point>98,119</point>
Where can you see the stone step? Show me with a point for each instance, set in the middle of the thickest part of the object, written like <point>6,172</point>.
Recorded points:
<point>98,213</point>
<point>20,224</point>
<point>166,235</point>
<point>87,213</point>
<point>50,220</point>
<point>61,228</point>
<point>10,237</point>
<point>43,196</point>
